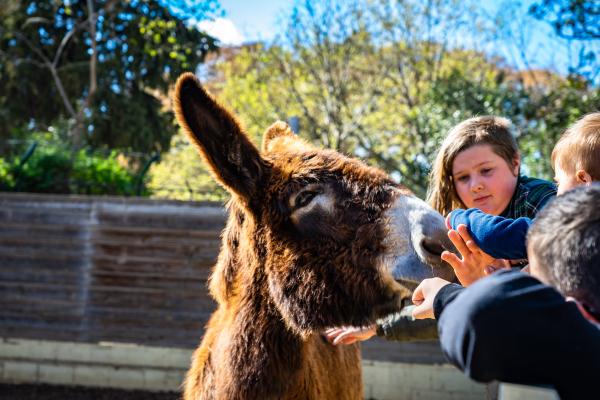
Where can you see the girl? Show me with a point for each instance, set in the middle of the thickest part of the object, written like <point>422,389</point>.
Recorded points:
<point>478,167</point>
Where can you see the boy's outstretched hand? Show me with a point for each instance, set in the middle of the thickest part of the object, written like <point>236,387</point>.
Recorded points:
<point>423,297</point>
<point>475,263</point>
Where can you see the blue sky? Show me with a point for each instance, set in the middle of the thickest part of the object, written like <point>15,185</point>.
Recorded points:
<point>258,19</point>
<point>247,21</point>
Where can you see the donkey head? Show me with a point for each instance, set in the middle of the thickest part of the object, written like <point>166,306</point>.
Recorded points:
<point>321,239</point>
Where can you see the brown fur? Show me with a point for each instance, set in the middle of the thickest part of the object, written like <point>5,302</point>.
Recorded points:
<point>287,272</point>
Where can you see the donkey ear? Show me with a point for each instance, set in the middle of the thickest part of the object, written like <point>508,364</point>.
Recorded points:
<point>233,159</point>
<point>278,129</point>
<point>287,140</point>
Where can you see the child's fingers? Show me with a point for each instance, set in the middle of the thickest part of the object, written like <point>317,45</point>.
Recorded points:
<point>463,231</point>
<point>354,334</point>
<point>472,246</point>
<point>458,242</point>
<point>344,338</point>
<point>452,259</point>
<point>348,340</point>
<point>333,333</point>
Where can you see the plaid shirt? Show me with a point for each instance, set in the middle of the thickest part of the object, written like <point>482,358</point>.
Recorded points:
<point>530,196</point>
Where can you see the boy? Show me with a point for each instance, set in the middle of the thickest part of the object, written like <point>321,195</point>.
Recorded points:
<point>538,329</point>
<point>575,160</point>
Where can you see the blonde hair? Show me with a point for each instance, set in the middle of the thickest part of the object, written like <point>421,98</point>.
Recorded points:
<point>491,130</point>
<point>579,147</point>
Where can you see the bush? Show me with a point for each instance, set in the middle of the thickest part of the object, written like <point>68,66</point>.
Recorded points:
<point>6,179</point>
<point>46,171</point>
<point>93,174</point>
<point>52,168</point>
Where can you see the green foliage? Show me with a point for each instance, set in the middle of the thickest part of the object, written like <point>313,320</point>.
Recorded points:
<point>545,118</point>
<point>52,168</point>
<point>95,174</point>
<point>46,171</point>
<point>141,47</point>
<point>575,20</point>
<point>572,19</point>
<point>386,89</point>
<point>6,178</point>
<point>182,175</point>
<point>374,116</point>
<point>382,80</point>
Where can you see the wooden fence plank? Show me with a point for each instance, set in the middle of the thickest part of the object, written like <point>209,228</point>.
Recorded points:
<point>91,269</point>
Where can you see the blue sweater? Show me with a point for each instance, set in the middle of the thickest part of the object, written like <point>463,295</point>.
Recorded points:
<point>498,236</point>
<point>513,328</point>
<point>504,236</point>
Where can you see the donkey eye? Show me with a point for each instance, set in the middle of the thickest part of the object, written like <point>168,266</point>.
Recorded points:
<point>304,198</point>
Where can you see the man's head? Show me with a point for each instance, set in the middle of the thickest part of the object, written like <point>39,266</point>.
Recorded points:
<point>576,156</point>
<point>563,245</point>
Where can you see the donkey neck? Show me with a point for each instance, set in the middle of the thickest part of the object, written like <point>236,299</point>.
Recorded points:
<point>265,355</point>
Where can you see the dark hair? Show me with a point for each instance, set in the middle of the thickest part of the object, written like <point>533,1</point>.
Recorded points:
<point>565,240</point>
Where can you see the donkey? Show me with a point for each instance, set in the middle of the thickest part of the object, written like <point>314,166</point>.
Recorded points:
<point>314,239</point>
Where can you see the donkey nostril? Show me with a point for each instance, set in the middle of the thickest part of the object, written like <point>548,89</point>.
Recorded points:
<point>432,246</point>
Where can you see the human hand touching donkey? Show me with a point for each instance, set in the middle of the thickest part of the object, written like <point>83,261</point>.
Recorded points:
<point>473,263</point>
<point>470,264</point>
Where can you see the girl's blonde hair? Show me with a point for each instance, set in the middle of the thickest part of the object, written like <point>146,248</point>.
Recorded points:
<point>579,147</point>
<point>491,130</point>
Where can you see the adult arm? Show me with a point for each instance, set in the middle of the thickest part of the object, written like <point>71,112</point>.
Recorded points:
<point>497,236</point>
<point>511,327</point>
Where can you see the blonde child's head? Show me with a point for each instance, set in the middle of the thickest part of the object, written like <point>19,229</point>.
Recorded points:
<point>576,156</point>
<point>495,132</point>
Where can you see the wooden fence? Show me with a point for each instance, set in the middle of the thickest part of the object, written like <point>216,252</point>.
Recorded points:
<point>94,269</point>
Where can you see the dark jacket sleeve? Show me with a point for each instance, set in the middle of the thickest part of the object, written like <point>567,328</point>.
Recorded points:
<point>444,297</point>
<point>498,236</point>
<point>511,327</point>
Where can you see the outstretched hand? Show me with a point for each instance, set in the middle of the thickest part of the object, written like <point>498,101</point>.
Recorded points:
<point>475,263</point>
<point>423,297</point>
<point>349,334</point>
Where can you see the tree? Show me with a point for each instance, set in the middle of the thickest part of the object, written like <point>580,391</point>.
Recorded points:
<point>182,175</point>
<point>358,75</point>
<point>571,19</point>
<point>388,85</point>
<point>103,65</point>
<point>545,116</point>
<point>575,20</point>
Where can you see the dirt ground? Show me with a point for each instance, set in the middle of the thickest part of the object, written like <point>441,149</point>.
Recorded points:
<point>52,392</point>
